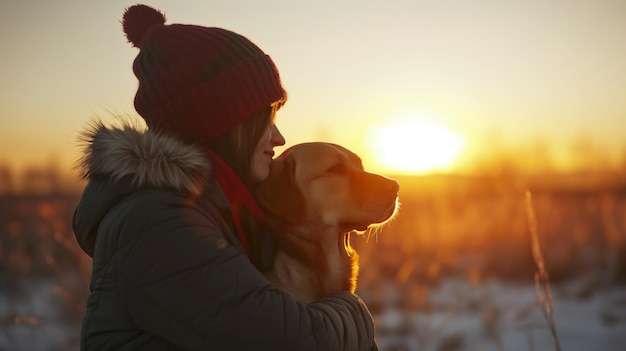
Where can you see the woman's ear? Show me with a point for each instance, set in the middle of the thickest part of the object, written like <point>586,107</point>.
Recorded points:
<point>279,195</point>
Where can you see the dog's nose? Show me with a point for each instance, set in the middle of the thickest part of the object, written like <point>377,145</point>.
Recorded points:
<point>393,186</point>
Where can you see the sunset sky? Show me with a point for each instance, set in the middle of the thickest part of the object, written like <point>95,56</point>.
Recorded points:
<point>494,74</point>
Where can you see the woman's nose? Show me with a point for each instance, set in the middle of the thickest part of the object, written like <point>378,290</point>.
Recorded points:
<point>277,137</point>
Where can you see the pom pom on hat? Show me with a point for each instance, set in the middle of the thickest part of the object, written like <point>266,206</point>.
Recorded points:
<point>197,82</point>
<point>137,20</point>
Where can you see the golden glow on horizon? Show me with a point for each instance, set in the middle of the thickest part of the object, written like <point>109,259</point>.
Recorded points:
<point>508,78</point>
<point>415,145</point>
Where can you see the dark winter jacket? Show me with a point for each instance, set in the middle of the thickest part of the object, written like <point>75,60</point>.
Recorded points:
<point>168,271</point>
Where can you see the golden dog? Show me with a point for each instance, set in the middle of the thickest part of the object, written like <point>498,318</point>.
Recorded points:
<point>316,195</point>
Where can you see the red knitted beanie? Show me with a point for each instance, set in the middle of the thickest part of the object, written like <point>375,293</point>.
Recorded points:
<point>197,82</point>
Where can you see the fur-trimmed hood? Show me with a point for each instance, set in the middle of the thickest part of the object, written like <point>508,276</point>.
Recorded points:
<point>119,161</point>
<point>150,159</point>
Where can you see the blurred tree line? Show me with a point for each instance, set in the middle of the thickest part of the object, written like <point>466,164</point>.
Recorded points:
<point>46,179</point>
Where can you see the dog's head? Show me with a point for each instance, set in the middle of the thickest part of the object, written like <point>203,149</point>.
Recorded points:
<point>319,186</point>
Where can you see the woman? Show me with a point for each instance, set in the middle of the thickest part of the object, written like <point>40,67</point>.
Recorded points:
<point>167,215</point>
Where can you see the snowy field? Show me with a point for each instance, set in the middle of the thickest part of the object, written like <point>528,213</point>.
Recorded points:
<point>37,316</point>
<point>494,316</point>
<point>487,316</point>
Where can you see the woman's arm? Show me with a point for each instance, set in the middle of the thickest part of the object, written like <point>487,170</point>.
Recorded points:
<point>183,282</point>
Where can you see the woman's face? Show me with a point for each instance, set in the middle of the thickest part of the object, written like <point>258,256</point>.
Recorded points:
<point>264,153</point>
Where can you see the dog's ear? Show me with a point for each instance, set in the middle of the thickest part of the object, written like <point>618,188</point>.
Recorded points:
<point>279,195</point>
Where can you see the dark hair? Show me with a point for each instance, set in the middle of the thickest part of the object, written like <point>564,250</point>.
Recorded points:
<point>236,147</point>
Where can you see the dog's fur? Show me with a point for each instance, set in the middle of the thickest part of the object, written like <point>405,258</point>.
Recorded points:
<point>316,195</point>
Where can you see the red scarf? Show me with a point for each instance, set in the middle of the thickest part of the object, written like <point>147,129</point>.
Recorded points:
<point>236,193</point>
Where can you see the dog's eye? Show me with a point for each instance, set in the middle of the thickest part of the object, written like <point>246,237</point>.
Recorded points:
<point>339,168</point>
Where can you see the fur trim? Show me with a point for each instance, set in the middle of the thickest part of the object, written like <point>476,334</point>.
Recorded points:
<point>149,158</point>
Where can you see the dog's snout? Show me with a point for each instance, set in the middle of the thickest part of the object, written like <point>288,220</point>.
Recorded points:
<point>376,183</point>
<point>389,186</point>
<point>393,186</point>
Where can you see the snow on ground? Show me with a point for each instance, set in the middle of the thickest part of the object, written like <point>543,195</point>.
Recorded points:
<point>35,317</point>
<point>491,316</point>
<point>496,316</point>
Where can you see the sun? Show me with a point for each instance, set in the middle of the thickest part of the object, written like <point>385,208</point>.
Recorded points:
<point>414,145</point>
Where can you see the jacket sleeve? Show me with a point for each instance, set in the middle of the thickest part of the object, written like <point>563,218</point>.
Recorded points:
<point>183,282</point>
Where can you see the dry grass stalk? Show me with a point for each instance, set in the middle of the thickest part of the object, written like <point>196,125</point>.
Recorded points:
<point>542,278</point>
